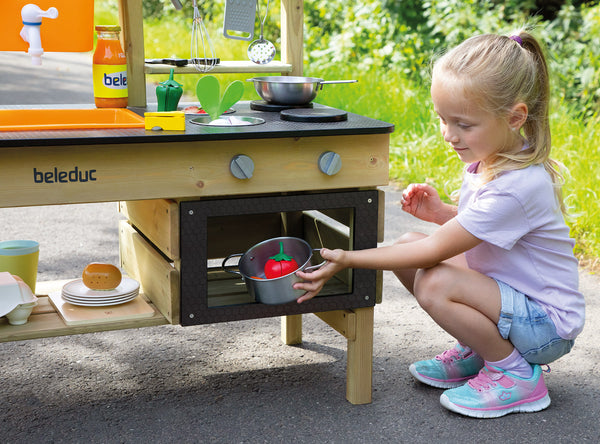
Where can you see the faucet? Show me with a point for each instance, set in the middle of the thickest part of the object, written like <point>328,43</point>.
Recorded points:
<point>32,20</point>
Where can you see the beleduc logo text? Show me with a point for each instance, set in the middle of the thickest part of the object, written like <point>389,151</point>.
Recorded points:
<point>60,176</point>
<point>115,80</point>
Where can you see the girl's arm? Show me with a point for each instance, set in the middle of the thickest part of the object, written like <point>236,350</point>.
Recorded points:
<point>449,240</point>
<point>423,201</point>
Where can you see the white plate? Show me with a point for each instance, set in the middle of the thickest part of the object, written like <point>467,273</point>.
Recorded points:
<point>79,289</point>
<point>101,304</point>
<point>98,300</point>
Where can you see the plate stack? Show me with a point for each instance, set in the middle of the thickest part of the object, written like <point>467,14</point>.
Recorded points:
<point>76,293</point>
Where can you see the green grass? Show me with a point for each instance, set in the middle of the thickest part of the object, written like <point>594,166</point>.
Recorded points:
<point>577,144</point>
<point>418,153</point>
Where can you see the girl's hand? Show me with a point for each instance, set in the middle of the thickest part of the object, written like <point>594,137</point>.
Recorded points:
<point>423,201</point>
<point>315,280</point>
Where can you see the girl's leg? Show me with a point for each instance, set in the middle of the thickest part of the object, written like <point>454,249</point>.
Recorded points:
<point>453,367</point>
<point>463,302</point>
<point>466,304</point>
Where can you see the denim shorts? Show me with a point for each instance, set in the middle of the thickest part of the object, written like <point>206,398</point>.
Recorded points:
<point>527,326</point>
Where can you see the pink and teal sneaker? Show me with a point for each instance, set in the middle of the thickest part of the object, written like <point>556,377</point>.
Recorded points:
<point>450,369</point>
<point>495,393</point>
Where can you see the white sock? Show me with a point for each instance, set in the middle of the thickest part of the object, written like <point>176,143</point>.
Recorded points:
<point>514,364</point>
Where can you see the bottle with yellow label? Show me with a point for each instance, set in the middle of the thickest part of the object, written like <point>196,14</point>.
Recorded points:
<point>109,69</point>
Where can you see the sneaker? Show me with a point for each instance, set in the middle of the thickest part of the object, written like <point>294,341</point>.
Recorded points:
<point>450,369</point>
<point>495,393</point>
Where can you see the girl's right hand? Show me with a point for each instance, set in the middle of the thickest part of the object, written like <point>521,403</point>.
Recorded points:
<point>314,281</point>
<point>422,201</point>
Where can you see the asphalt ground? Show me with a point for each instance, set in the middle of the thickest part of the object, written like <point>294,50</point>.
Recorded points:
<point>236,382</point>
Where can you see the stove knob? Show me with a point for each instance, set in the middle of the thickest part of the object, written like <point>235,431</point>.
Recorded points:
<point>241,166</point>
<point>330,163</point>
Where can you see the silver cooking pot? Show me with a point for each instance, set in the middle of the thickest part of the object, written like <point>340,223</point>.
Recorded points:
<point>277,290</point>
<point>290,90</point>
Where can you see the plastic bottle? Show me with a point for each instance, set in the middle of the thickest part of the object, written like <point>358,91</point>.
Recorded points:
<point>109,69</point>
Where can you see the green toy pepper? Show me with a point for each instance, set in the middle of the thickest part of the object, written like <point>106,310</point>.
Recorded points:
<point>168,94</point>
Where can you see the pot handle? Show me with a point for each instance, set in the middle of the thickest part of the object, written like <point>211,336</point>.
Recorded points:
<point>315,267</point>
<point>324,82</point>
<point>224,267</point>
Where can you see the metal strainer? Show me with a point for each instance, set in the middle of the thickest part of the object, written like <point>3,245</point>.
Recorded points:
<point>261,51</point>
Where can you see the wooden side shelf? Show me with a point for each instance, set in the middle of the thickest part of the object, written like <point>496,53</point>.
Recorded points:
<point>45,321</point>
<point>229,67</point>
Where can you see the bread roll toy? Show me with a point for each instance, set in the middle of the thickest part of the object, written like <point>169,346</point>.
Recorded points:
<point>99,276</point>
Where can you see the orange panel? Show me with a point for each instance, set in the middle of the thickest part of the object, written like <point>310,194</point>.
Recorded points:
<point>61,119</point>
<point>71,31</point>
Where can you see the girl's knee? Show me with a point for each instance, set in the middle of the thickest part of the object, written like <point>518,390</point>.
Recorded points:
<point>431,286</point>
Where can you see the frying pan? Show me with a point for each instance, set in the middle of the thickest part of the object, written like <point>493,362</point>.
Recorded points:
<point>290,90</point>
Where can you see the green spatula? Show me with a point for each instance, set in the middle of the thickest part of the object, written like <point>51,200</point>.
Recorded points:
<point>208,92</point>
<point>231,96</point>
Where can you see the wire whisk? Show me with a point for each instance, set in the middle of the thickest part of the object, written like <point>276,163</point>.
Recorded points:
<point>202,52</point>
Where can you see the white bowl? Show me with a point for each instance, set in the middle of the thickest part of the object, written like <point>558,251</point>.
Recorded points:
<point>20,315</point>
<point>16,299</point>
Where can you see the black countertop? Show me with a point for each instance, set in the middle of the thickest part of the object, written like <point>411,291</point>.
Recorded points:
<point>273,127</point>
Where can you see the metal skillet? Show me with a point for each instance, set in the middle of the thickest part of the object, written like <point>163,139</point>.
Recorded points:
<point>290,90</point>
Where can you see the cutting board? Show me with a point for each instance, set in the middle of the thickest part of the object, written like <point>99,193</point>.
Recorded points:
<point>77,315</point>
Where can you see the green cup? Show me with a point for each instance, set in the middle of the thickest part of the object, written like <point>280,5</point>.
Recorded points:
<point>20,258</point>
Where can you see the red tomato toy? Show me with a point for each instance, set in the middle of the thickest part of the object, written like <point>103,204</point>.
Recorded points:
<point>280,264</point>
<point>193,110</point>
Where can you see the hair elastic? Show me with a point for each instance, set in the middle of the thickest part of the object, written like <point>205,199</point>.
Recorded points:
<point>517,39</point>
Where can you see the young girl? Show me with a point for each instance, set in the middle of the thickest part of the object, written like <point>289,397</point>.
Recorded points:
<point>499,274</point>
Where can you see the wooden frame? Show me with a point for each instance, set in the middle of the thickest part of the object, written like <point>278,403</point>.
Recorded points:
<point>131,16</point>
<point>292,39</point>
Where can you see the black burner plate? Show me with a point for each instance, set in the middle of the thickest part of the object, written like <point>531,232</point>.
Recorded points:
<point>261,105</point>
<point>314,115</point>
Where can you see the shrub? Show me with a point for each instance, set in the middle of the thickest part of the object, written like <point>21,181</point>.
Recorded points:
<point>375,34</point>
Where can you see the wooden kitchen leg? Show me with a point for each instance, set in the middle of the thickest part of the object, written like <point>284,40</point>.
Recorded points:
<point>356,325</point>
<point>291,329</point>
<point>359,370</point>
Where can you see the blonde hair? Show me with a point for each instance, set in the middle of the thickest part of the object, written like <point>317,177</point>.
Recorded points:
<point>497,72</point>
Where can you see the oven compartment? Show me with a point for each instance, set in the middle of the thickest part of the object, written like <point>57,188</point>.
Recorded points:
<point>175,250</point>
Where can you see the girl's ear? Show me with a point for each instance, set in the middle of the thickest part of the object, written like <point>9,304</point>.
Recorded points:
<point>517,116</point>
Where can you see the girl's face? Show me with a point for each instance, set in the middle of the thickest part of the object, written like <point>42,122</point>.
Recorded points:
<point>475,134</point>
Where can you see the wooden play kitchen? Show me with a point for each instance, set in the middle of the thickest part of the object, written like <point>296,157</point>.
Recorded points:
<point>192,198</point>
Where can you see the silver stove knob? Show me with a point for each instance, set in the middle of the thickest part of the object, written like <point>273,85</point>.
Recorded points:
<point>330,163</point>
<point>241,166</point>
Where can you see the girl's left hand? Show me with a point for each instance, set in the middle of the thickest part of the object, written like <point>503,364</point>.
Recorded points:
<point>315,280</point>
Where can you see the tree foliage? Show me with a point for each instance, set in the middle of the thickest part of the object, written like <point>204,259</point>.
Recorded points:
<point>405,35</point>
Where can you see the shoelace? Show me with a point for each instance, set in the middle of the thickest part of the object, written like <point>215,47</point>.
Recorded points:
<point>485,379</point>
<point>488,377</point>
<point>449,355</point>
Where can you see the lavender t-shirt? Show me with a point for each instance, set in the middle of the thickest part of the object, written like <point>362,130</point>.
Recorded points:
<point>526,242</point>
